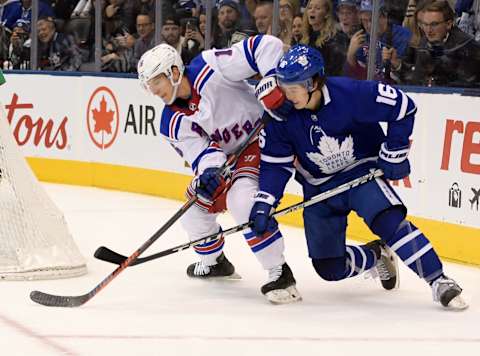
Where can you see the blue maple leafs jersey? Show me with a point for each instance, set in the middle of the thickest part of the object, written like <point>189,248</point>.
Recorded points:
<point>340,140</point>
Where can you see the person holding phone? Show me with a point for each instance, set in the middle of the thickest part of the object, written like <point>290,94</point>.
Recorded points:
<point>194,42</point>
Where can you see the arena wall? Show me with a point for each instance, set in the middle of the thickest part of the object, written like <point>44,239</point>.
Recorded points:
<point>103,131</point>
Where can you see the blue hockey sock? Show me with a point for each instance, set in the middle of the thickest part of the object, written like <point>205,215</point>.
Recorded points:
<point>409,243</point>
<point>359,260</point>
<point>415,250</point>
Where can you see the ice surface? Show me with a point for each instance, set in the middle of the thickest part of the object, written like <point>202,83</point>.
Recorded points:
<point>154,309</point>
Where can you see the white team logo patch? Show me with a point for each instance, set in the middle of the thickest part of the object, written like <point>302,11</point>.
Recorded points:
<point>333,156</point>
<point>303,60</point>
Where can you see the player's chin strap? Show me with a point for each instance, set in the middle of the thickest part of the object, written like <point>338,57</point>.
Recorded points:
<point>175,88</point>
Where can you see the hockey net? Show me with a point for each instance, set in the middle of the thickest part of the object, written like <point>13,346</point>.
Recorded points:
<point>35,242</point>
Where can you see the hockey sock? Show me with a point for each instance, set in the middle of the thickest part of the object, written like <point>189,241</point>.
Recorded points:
<point>210,251</point>
<point>357,260</point>
<point>409,243</point>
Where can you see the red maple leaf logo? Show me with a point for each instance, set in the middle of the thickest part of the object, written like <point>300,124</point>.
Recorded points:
<point>103,118</point>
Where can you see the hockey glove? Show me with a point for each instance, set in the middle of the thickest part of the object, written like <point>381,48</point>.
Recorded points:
<point>273,99</point>
<point>394,162</point>
<point>210,184</point>
<point>260,214</point>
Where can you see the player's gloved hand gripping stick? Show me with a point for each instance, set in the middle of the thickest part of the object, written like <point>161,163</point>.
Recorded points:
<point>75,301</point>
<point>108,255</point>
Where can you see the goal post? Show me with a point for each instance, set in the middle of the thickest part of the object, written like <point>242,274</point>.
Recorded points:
<point>35,242</point>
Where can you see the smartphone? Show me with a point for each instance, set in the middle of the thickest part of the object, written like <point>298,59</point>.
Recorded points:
<point>190,23</point>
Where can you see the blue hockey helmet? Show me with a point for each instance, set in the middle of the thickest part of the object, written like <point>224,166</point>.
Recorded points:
<point>299,65</point>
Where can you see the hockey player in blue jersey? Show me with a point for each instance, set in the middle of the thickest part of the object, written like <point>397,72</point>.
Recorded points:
<point>333,135</point>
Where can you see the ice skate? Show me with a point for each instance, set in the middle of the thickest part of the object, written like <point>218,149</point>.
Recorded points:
<point>447,292</point>
<point>387,264</point>
<point>280,287</point>
<point>223,269</point>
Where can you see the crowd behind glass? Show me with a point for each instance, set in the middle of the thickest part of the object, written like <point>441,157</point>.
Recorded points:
<point>419,42</point>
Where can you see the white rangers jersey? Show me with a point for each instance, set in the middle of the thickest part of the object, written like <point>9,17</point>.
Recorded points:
<point>222,109</point>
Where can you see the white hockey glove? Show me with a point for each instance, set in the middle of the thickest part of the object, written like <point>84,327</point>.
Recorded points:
<point>273,99</point>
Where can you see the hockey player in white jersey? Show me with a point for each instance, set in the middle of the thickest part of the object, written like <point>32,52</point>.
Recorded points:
<point>334,136</point>
<point>209,111</point>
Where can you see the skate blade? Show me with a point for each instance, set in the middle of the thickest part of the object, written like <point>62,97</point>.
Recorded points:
<point>233,277</point>
<point>284,296</point>
<point>457,304</point>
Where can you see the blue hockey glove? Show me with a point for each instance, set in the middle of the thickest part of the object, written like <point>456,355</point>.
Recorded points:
<point>273,99</point>
<point>394,162</point>
<point>210,184</point>
<point>260,214</point>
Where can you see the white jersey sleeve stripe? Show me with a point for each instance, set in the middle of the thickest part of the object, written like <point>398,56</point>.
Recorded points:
<point>403,108</point>
<point>271,159</point>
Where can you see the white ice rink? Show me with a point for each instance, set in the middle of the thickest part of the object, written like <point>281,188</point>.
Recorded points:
<point>154,309</point>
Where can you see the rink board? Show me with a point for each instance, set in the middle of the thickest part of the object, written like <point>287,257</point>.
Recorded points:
<point>452,241</point>
<point>103,132</point>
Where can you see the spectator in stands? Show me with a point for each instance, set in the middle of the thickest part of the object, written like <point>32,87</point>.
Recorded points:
<point>4,44</point>
<point>320,31</point>
<point>19,49</point>
<point>171,32</point>
<point>390,37</point>
<point>297,29</point>
<point>263,17</point>
<point>23,10</point>
<point>347,13</point>
<point>118,17</point>
<point>446,56</point>
<point>146,36</point>
<point>410,23</point>
<point>286,14</point>
<point>118,53</point>
<point>194,40</point>
<point>396,10</point>
<point>228,22</point>
<point>468,12</point>
<point>56,51</point>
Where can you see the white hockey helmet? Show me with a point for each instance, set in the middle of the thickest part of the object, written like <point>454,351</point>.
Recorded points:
<point>160,60</point>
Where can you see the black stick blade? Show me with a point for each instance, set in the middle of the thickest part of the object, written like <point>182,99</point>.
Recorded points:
<point>51,300</point>
<point>105,254</point>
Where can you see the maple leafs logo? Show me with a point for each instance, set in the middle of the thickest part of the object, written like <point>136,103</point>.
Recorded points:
<point>333,156</point>
<point>103,118</point>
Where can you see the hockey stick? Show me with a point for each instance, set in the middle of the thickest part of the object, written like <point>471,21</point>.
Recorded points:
<point>52,300</point>
<point>105,254</point>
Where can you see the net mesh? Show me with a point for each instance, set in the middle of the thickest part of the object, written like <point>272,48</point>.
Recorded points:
<point>35,242</point>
